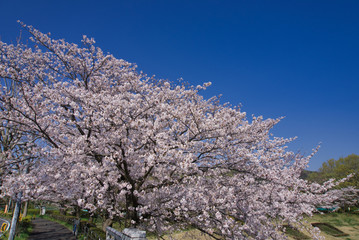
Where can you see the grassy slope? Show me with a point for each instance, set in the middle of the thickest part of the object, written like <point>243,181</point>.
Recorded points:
<point>348,223</point>
<point>185,235</point>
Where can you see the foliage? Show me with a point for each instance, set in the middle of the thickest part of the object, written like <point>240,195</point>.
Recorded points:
<point>98,232</point>
<point>306,173</point>
<point>6,215</point>
<point>68,219</point>
<point>33,212</point>
<point>23,229</point>
<point>347,193</point>
<point>338,169</point>
<point>53,212</point>
<point>25,222</point>
<point>115,141</point>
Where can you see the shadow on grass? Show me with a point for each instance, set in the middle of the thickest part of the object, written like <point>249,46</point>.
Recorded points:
<point>295,233</point>
<point>329,229</point>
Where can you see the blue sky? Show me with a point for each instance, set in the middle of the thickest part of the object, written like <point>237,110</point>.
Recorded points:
<point>297,59</point>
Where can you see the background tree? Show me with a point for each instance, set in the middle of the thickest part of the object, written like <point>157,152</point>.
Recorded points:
<point>338,169</point>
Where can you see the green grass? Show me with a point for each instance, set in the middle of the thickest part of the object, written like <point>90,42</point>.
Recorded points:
<point>295,233</point>
<point>342,219</point>
<point>68,226</point>
<point>22,235</point>
<point>346,222</point>
<point>329,229</point>
<point>337,219</point>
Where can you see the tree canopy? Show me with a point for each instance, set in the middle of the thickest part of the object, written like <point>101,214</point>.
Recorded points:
<point>152,152</point>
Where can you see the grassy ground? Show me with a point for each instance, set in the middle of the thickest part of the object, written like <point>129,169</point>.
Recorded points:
<point>68,226</point>
<point>23,235</point>
<point>184,235</point>
<point>346,222</point>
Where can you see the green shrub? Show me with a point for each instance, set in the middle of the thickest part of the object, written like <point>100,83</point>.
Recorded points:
<point>53,212</point>
<point>67,219</point>
<point>85,214</point>
<point>5,215</point>
<point>25,222</point>
<point>98,232</point>
<point>295,233</point>
<point>33,212</point>
<point>87,224</point>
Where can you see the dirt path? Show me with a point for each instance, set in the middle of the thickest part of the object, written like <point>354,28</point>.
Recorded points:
<point>48,230</point>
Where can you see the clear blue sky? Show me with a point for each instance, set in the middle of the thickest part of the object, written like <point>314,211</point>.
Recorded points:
<point>298,59</point>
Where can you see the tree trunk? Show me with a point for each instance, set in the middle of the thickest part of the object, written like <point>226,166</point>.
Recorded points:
<point>132,218</point>
<point>15,217</point>
<point>107,223</point>
<point>12,206</point>
<point>134,214</point>
<point>8,206</point>
<point>24,213</point>
<point>62,210</point>
<point>77,212</point>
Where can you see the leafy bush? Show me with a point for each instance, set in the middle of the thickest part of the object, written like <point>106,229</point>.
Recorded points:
<point>101,234</point>
<point>25,223</point>
<point>87,224</point>
<point>33,212</point>
<point>85,214</point>
<point>67,219</point>
<point>53,212</point>
<point>295,233</point>
<point>5,215</point>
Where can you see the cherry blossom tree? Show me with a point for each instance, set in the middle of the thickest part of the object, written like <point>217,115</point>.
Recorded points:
<point>15,145</point>
<point>17,155</point>
<point>152,152</point>
<point>16,159</point>
<point>344,197</point>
